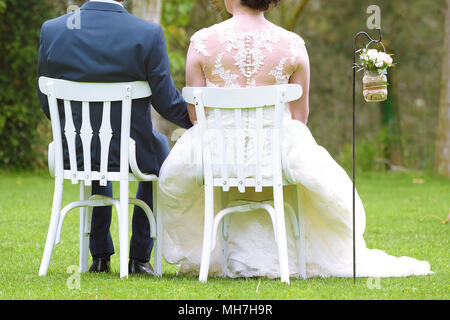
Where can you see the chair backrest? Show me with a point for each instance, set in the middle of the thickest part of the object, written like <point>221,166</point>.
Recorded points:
<point>258,98</point>
<point>105,93</point>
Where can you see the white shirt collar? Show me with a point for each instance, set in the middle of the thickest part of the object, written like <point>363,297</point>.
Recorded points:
<point>109,1</point>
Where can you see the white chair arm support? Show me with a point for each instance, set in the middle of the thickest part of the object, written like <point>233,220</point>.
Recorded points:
<point>149,213</point>
<point>247,206</point>
<point>99,202</point>
<point>292,215</point>
<point>134,167</point>
<point>136,202</point>
<point>250,206</point>
<point>51,159</point>
<point>102,201</point>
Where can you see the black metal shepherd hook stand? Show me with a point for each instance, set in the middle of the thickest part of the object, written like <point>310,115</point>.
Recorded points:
<point>354,131</point>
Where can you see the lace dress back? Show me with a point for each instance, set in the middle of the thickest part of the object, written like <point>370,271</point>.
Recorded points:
<point>240,53</point>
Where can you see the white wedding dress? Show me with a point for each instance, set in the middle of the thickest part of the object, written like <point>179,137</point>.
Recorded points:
<point>223,50</point>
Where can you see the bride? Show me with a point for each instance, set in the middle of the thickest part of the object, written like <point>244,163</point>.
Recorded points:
<point>248,50</point>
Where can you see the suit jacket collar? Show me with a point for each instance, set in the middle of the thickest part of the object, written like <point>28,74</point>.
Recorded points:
<point>103,6</point>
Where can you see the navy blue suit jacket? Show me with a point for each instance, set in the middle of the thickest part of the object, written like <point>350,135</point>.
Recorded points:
<point>112,45</point>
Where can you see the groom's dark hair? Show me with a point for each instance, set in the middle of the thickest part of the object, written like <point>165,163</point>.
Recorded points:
<point>262,5</point>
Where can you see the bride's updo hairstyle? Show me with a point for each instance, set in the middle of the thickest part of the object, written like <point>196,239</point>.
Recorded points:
<point>261,5</point>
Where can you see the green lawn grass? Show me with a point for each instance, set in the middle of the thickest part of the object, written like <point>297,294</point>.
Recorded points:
<point>404,217</point>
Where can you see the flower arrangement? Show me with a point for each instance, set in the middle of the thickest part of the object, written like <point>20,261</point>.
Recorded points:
<point>375,64</point>
<point>374,60</point>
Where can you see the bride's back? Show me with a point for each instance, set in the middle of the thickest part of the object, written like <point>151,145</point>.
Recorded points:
<point>246,51</point>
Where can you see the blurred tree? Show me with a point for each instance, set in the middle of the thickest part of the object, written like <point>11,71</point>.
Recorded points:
<point>21,145</point>
<point>390,122</point>
<point>290,25</point>
<point>442,153</point>
<point>174,16</point>
<point>150,10</point>
<point>413,30</point>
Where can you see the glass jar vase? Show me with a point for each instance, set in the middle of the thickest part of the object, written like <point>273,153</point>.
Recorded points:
<point>374,86</point>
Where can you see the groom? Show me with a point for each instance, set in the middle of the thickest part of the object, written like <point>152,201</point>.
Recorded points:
<point>105,43</point>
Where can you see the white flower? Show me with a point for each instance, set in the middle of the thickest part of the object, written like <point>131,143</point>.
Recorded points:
<point>386,58</point>
<point>372,54</point>
<point>374,59</point>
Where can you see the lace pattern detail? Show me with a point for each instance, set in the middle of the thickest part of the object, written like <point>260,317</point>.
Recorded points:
<point>248,58</point>
<point>229,78</point>
<point>198,41</point>
<point>278,73</point>
<point>296,47</point>
<point>252,57</point>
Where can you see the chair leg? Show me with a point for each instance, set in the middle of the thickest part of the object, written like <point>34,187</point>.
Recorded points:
<point>281,233</point>
<point>222,200</point>
<point>301,245</point>
<point>85,193</point>
<point>52,229</point>
<point>207,233</point>
<point>159,233</point>
<point>123,228</point>
<point>224,244</point>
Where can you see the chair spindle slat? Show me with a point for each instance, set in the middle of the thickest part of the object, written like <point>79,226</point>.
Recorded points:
<point>71,135</point>
<point>105,135</point>
<point>239,147</point>
<point>86,139</point>
<point>259,148</point>
<point>222,150</point>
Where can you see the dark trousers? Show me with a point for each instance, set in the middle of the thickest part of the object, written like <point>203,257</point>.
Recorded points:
<point>100,241</point>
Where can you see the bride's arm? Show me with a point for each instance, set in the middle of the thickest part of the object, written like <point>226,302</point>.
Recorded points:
<point>194,76</point>
<point>300,108</point>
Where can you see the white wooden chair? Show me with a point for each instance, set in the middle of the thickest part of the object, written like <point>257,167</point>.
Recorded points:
<point>86,93</point>
<point>237,99</point>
